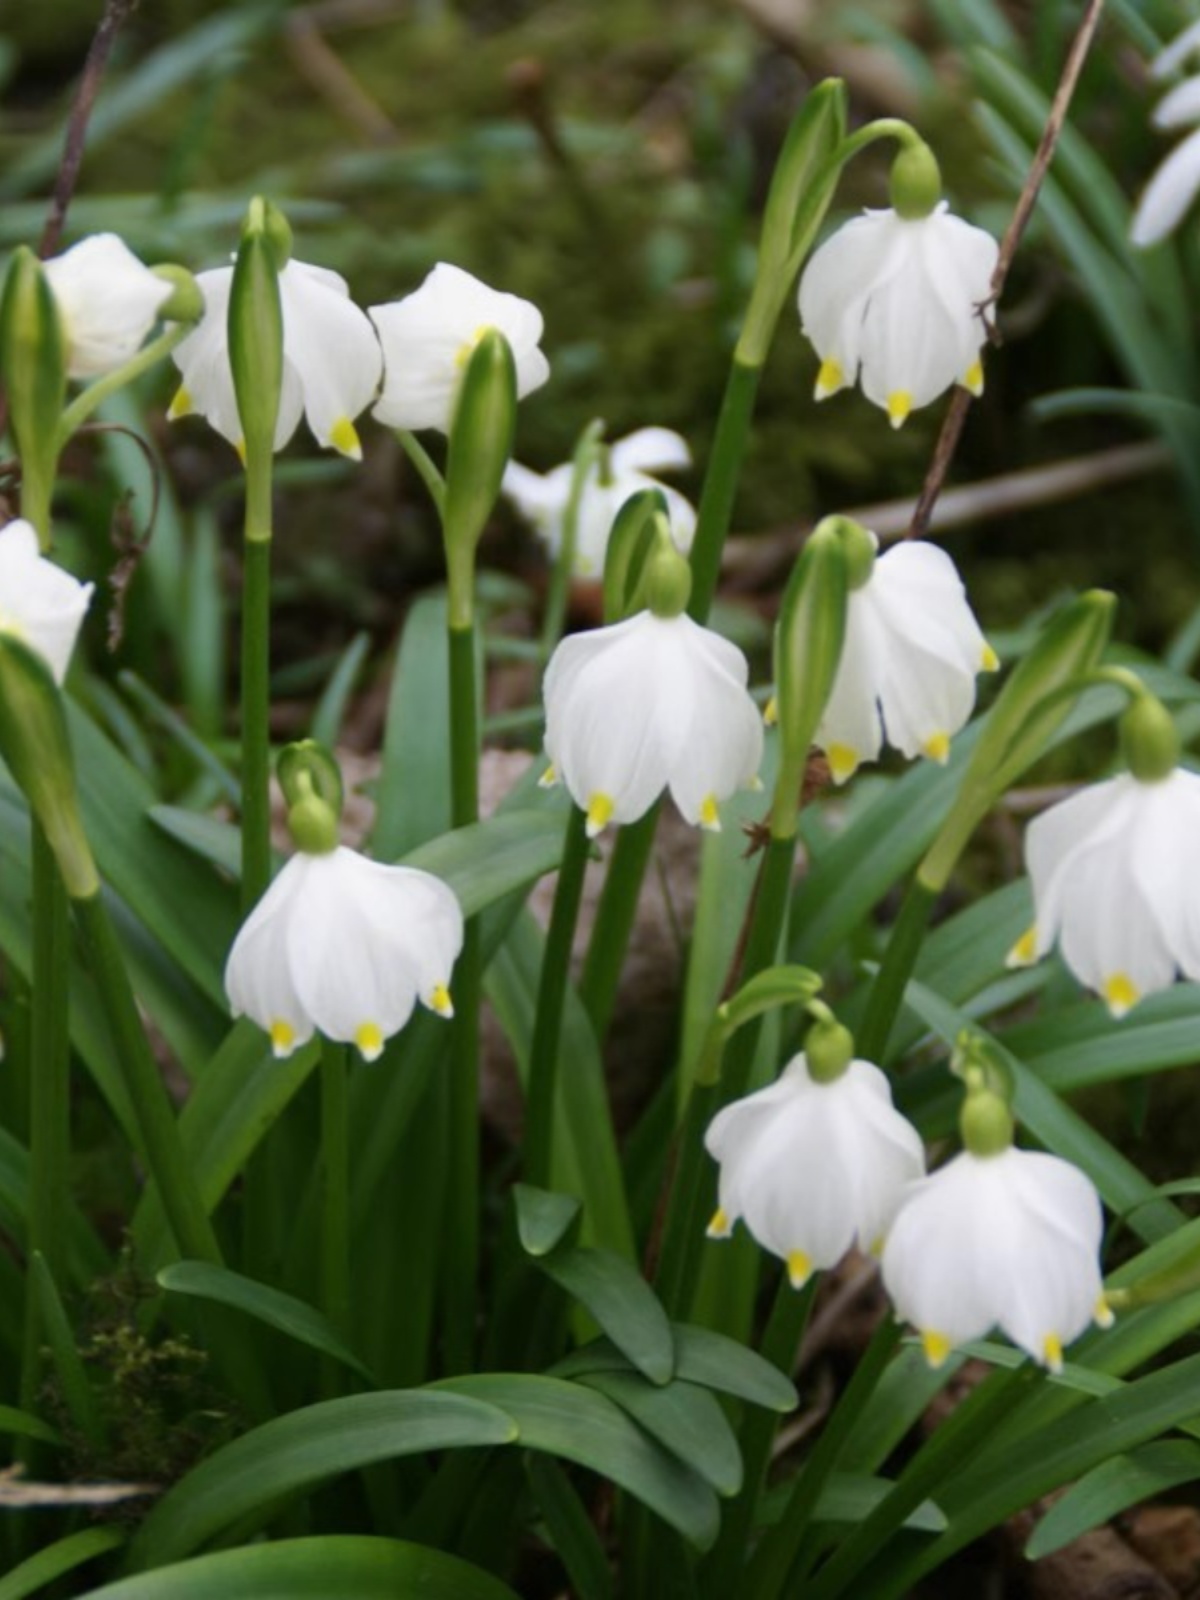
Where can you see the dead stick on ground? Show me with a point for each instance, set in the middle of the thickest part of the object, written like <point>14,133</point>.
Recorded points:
<point>947,442</point>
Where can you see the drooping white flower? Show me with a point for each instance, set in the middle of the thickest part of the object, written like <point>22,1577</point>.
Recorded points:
<point>40,604</point>
<point>542,500</point>
<point>911,654</point>
<point>428,337</point>
<point>896,302</point>
<point>1116,881</point>
<point>1174,186</point>
<point>344,946</point>
<point>1009,1240</point>
<point>108,301</point>
<point>332,362</point>
<point>813,1168</point>
<point>647,704</point>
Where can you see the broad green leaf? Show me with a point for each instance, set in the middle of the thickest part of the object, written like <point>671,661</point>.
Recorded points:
<point>283,1311</point>
<point>64,1555</point>
<point>296,1452</point>
<point>568,1420</point>
<point>572,1531</point>
<point>684,1418</point>
<point>1113,1487</point>
<point>622,1302</point>
<point>27,1426</point>
<point>702,1357</point>
<point>339,1565</point>
<point>849,1497</point>
<point>543,1219</point>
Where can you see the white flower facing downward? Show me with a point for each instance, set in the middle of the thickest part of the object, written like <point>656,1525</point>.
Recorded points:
<point>911,654</point>
<point>1010,1240</point>
<point>542,500</point>
<point>40,604</point>
<point>1175,184</point>
<point>896,303</point>
<point>108,301</point>
<point>428,338</point>
<point>813,1168</point>
<point>1116,881</point>
<point>344,946</point>
<point>648,704</point>
<point>332,363</point>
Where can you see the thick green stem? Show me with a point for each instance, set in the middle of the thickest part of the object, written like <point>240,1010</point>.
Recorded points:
<point>771,1573</point>
<point>720,484</point>
<point>614,920</point>
<point>165,1156</point>
<point>256,702</point>
<point>462,1231</point>
<point>899,959</point>
<point>335,1198</point>
<point>551,998</point>
<point>49,1092</point>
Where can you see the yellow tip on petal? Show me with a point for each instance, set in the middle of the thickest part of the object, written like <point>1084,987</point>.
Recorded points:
<point>830,379</point>
<point>771,712</point>
<point>973,377</point>
<point>843,761</point>
<point>240,447</point>
<point>720,1226</point>
<point>548,778</point>
<point>1024,952</point>
<point>875,1248</point>
<point>936,1347</point>
<point>181,406</point>
<point>937,748</point>
<point>709,816</point>
<point>899,405</point>
<point>283,1038</point>
<point>1052,1354</point>
<point>343,436</point>
<point>799,1268</point>
<point>1103,1316</point>
<point>600,810</point>
<point>1120,993</point>
<point>369,1039</point>
<point>990,661</point>
<point>439,1001</point>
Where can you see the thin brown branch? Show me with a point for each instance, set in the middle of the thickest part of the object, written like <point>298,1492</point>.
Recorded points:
<point>952,426</point>
<point>16,1494</point>
<point>115,14</point>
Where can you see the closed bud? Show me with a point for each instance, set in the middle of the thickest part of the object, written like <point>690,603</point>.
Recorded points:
<point>256,333</point>
<point>916,181</point>
<point>311,781</point>
<point>186,301</point>
<point>828,1048</point>
<point>1149,741</point>
<point>668,578</point>
<point>36,748</point>
<point>985,1122</point>
<point>481,440</point>
<point>33,366</point>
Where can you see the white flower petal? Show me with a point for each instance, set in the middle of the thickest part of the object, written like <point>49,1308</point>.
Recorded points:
<point>1169,194</point>
<point>108,301</point>
<point>835,290</point>
<point>40,604</point>
<point>1176,53</point>
<point>651,450</point>
<point>1180,106</point>
<point>331,344</point>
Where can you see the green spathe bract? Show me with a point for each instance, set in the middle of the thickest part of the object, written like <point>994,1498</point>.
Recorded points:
<point>33,365</point>
<point>256,331</point>
<point>481,439</point>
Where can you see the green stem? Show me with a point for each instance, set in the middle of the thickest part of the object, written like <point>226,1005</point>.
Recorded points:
<point>49,1092</point>
<point>720,483</point>
<point>551,998</point>
<point>165,1156</point>
<point>614,920</point>
<point>555,618</point>
<point>462,1231</point>
<point>899,959</point>
<point>335,1198</point>
<point>780,1345</point>
<point>770,1574</point>
<point>426,468</point>
<point>256,705</point>
<point>84,404</point>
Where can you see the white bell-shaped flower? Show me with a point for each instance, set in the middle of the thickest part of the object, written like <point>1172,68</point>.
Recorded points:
<point>345,947</point>
<point>813,1168</point>
<point>542,499</point>
<point>108,301</point>
<point>911,654</point>
<point>332,362</point>
<point>1116,881</point>
<point>645,705</point>
<point>1176,183</point>
<point>40,604</point>
<point>1010,1240</point>
<point>428,337</point>
<point>897,302</point>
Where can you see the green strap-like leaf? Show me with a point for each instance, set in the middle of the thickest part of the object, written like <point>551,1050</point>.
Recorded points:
<point>27,1426</point>
<point>623,1304</point>
<point>685,1419</point>
<point>572,1531</point>
<point>62,1556</point>
<point>1111,1488</point>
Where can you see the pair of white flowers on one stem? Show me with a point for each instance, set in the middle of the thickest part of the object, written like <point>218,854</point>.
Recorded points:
<point>999,1237</point>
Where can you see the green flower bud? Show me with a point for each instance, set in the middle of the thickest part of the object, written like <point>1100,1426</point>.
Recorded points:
<point>33,366</point>
<point>667,584</point>
<point>629,546</point>
<point>256,334</point>
<point>828,1048</point>
<point>187,301</point>
<point>306,768</point>
<point>985,1122</point>
<point>36,747</point>
<point>858,547</point>
<point>916,181</point>
<point>481,439</point>
<point>1149,741</point>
